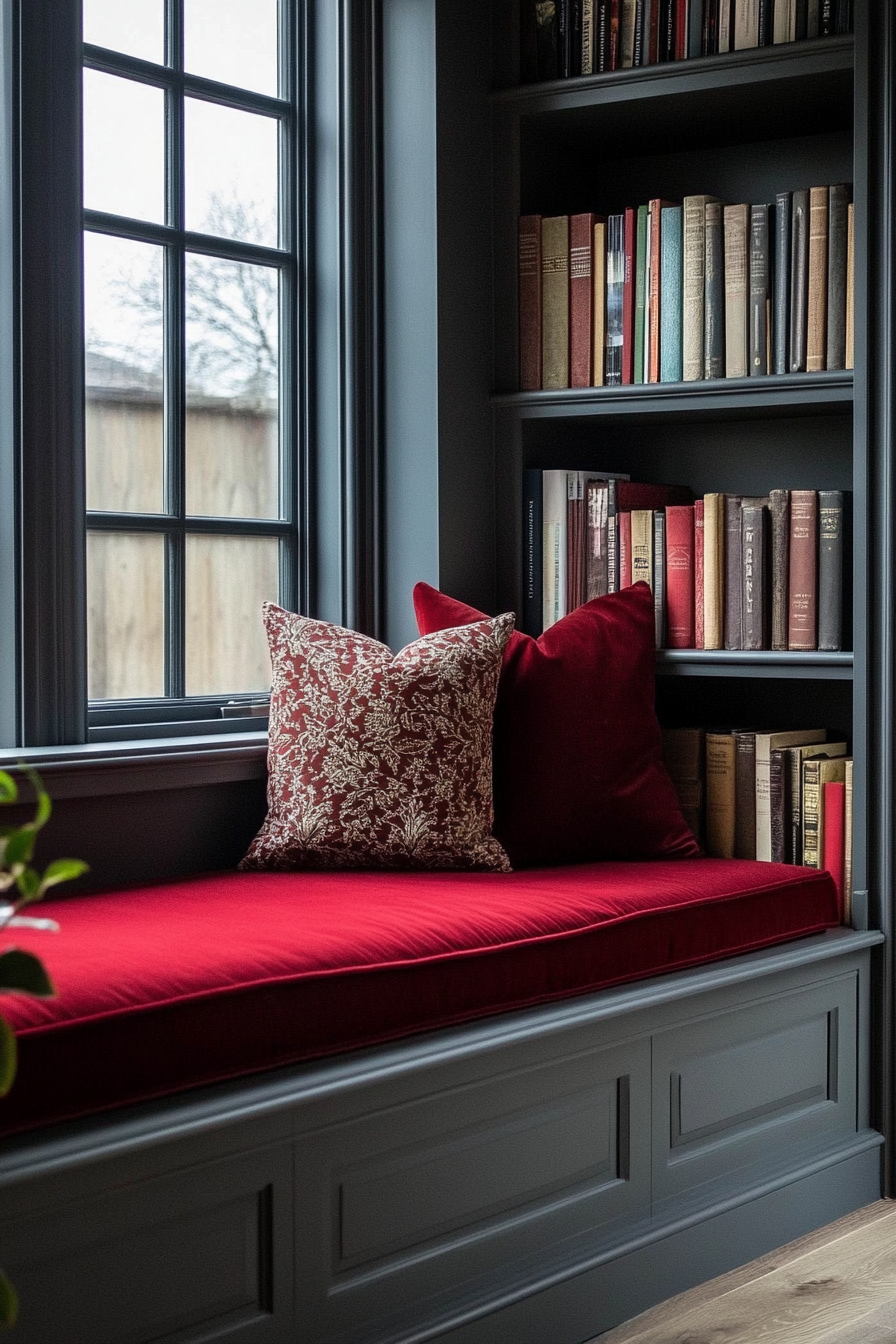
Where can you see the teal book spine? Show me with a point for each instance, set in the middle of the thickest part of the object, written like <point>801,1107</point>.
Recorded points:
<point>640,291</point>
<point>670,295</point>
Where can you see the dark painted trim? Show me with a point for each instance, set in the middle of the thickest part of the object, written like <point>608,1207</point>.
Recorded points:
<point>9,421</point>
<point>53,614</point>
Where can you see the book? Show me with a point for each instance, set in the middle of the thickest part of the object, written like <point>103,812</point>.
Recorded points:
<point>736,226</point>
<point>754,550</point>
<point>746,25</point>
<point>850,320</point>
<point>530,302</point>
<point>779,508</point>
<point>816,322</point>
<point>533,544</point>
<point>670,294</point>
<point>783,207</point>
<point>724,29</point>
<point>695,29</point>
<point>629,232</point>
<point>779,804</point>
<point>766,743</point>
<point>599,302</point>
<point>555,301</point>
<point>680,585</point>
<point>564,38</point>
<point>710,37</point>
<point>720,794</point>
<point>659,576</point>
<point>803,589</point>
<point>597,497</point>
<point>554,526</point>
<point>684,756</point>
<point>714,294</point>
<point>547,40</point>
<point>838,202</point>
<point>745,795</point>
<point>612,537</point>
<point>833,851</point>
<point>813,11</point>
<point>830,569</point>
<point>796,756</point>
<point>698,575</point>
<point>589,30</point>
<point>817,771</point>
<point>799,279</point>
<point>581,298</point>
<point>627,18</point>
<point>713,570</point>
<point>642,546</point>
<point>733,606</point>
<point>785,21</point>
<point>648,267</point>
<point>657,206</point>
<point>640,293</point>
<point>615,283</point>
<point>848,841</point>
<point>693,280</point>
<point>624,533</point>
<point>760,289</point>
<point>575,540</point>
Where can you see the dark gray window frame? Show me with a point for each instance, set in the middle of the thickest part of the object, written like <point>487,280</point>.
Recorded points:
<point>338,403</point>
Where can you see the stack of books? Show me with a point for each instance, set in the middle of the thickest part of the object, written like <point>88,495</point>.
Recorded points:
<point>562,39</point>
<point>727,571</point>
<point>669,292</point>
<point>785,796</point>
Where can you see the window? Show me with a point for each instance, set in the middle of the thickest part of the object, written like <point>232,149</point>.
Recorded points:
<point>190,277</point>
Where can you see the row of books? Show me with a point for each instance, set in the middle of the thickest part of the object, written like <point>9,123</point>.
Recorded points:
<point>785,797</point>
<point>669,292</point>
<point>727,571</point>
<point>563,39</point>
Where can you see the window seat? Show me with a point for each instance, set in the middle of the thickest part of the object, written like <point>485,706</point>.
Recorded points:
<point>165,988</point>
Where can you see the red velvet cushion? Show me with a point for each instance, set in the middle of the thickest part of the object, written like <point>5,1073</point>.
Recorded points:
<point>578,751</point>
<point>164,988</point>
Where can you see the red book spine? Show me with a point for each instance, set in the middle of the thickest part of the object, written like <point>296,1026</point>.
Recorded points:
<point>530,302</point>
<point>581,299</point>
<point>628,297</point>
<point>613,40</point>
<point>653,45</point>
<point>698,575</point>
<point>681,29</point>
<point>680,576</point>
<point>624,522</point>
<point>802,623</point>
<point>834,834</point>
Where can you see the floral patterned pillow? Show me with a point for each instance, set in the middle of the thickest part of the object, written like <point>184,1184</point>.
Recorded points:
<point>379,760</point>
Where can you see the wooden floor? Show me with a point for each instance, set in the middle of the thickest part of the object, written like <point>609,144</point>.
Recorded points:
<point>836,1286</point>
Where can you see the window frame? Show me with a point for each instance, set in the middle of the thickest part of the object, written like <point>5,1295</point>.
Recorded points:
<point>337,572</point>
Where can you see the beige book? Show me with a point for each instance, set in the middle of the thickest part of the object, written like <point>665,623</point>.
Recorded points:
<point>817,323</point>
<point>627,18</point>
<point>817,772</point>
<point>693,282</point>
<point>785,21</point>
<point>599,272</point>
<point>721,769</point>
<point>554,526</point>
<point>555,302</point>
<point>766,743</point>
<point>746,24</point>
<point>642,546</point>
<point>847,844</point>
<point>850,286</point>
<point>725,35</point>
<point>713,570</point>
<point>737,230</point>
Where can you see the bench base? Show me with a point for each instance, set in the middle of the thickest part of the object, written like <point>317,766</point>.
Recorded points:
<point>540,1175</point>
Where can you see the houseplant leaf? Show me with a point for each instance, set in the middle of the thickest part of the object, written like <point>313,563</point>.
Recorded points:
<point>9,1303</point>
<point>62,870</point>
<point>8,789</point>
<point>8,1056</point>
<point>24,973</point>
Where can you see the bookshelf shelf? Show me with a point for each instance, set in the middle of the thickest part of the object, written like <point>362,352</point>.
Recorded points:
<point>767,663</point>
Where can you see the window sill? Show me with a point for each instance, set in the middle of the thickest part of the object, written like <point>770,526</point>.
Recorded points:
<point>98,769</point>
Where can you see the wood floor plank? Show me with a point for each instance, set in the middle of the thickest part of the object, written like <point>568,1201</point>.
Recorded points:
<point>795,1295</point>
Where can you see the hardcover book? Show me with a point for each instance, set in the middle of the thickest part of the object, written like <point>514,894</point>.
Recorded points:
<point>803,588</point>
<point>530,302</point>
<point>628,295</point>
<point>783,207</point>
<point>799,279</point>
<point>830,570</point>
<point>796,756</point>
<point>838,204</point>
<point>745,795</point>
<point>713,570</point>
<point>581,298</point>
<point>670,295</point>
<point>684,756</point>
<point>599,303</point>
<point>693,280</point>
<point>615,283</point>
<point>817,772</point>
<point>720,794</point>
<point>736,224</point>
<point>659,576</point>
<point>680,585</point>
<point>657,206</point>
<point>754,550</point>
<point>555,301</point>
<point>699,636</point>
<point>779,507</point>
<point>640,294</point>
<point>817,319</point>
<point>760,288</point>
<point>833,852</point>
<point>714,294</point>
<point>766,743</point>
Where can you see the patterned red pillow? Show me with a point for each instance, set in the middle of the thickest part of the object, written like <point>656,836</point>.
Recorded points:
<point>376,760</point>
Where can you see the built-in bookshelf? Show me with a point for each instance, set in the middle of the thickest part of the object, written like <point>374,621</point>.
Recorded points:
<point>743,127</point>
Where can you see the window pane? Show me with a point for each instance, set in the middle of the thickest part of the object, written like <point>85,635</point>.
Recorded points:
<point>231,173</point>
<point>125,620</point>
<point>232,389</point>
<point>136,27</point>
<point>123,374</point>
<point>124,147</point>
<point>234,41</point>
<point>228,578</point>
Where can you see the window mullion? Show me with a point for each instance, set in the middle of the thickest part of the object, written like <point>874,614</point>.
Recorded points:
<point>175,368</point>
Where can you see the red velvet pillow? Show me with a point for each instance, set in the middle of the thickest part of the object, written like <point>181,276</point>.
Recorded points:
<point>577,757</point>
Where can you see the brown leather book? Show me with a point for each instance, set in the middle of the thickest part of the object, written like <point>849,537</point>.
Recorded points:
<point>656,208</point>
<point>555,301</point>
<point>799,279</point>
<point>817,319</point>
<point>599,301</point>
<point>779,507</point>
<point>581,298</point>
<point>745,796</point>
<point>684,756</point>
<point>734,624</point>
<point>803,586</point>
<point>720,794</point>
<point>530,302</point>
<point>737,231</point>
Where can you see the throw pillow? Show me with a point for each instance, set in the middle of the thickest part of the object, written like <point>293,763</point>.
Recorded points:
<point>380,761</point>
<point>579,774</point>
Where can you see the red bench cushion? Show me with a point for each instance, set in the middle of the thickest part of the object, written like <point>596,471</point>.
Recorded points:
<point>164,988</point>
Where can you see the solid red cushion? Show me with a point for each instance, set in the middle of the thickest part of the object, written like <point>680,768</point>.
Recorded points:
<point>578,762</point>
<point>165,988</point>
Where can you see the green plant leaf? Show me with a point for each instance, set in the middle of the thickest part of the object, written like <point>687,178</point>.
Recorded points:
<point>62,870</point>
<point>8,1057</point>
<point>44,806</point>
<point>24,973</point>
<point>9,1303</point>
<point>8,790</point>
<point>28,884</point>
<point>20,845</point>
